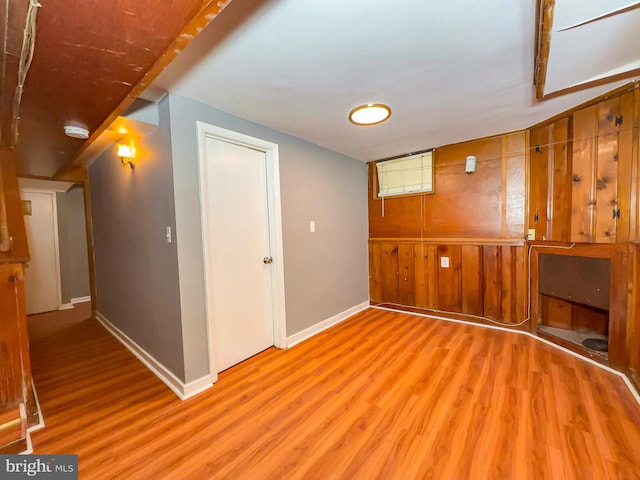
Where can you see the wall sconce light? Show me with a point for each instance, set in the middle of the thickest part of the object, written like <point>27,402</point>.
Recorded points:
<point>127,154</point>
<point>470,165</point>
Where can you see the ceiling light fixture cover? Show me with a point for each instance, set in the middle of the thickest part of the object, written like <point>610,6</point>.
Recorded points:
<point>369,114</point>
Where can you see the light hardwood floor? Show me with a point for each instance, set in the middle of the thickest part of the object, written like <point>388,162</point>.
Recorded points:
<point>382,396</point>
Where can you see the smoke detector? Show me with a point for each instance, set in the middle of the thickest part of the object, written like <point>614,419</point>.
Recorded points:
<point>74,131</point>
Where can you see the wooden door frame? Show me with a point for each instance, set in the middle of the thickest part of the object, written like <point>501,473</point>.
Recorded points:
<point>270,150</point>
<point>56,239</point>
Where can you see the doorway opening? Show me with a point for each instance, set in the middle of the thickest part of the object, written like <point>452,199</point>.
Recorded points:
<point>57,277</point>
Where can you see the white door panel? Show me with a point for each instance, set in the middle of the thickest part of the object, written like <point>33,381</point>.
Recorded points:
<point>238,280</point>
<point>41,278</point>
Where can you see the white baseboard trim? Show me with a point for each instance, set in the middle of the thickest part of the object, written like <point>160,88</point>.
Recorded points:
<point>181,389</point>
<point>192,389</point>
<point>72,302</point>
<point>81,299</point>
<point>323,325</point>
<point>35,427</point>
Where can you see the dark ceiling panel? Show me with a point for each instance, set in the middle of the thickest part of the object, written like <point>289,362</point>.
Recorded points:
<point>88,56</point>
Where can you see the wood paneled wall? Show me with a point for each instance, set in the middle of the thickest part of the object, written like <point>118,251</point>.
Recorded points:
<point>482,279</point>
<point>584,188</point>
<point>477,221</point>
<point>489,203</point>
<point>581,173</point>
<point>634,229</point>
<point>633,314</point>
<point>573,178</point>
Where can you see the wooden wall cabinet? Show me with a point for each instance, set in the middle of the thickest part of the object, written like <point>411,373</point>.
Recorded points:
<point>583,181</point>
<point>550,181</point>
<point>581,174</point>
<point>601,179</point>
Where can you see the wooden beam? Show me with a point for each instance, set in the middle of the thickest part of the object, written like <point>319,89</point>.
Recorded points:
<point>14,14</point>
<point>545,24</point>
<point>5,239</point>
<point>594,83</point>
<point>207,13</point>
<point>11,220</point>
<point>544,19</point>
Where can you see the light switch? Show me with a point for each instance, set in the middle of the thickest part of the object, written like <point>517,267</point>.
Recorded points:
<point>444,262</point>
<point>312,226</point>
<point>168,235</point>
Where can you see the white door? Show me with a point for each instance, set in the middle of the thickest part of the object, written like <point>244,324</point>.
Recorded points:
<point>238,279</point>
<point>41,277</point>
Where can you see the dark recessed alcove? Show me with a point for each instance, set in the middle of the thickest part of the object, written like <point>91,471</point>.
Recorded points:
<point>574,294</point>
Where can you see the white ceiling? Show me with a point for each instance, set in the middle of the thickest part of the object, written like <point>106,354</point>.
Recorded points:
<point>592,40</point>
<point>450,71</point>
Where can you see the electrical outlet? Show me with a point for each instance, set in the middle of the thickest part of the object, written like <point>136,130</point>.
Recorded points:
<point>532,234</point>
<point>444,262</point>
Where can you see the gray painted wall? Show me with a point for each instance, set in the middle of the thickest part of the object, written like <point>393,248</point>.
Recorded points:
<point>154,292</point>
<point>72,240</point>
<point>325,272</point>
<point>136,269</point>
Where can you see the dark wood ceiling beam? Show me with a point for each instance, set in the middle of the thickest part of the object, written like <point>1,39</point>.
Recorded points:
<point>207,13</point>
<point>545,23</point>
<point>12,23</point>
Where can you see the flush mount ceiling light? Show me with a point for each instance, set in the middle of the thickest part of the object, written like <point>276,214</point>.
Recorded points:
<point>369,114</point>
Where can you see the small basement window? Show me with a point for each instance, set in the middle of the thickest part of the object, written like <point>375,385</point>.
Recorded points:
<point>407,175</point>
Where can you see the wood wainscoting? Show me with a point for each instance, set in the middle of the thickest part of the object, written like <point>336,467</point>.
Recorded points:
<point>633,314</point>
<point>485,278</point>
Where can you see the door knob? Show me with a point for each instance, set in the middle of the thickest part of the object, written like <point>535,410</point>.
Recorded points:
<point>267,260</point>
